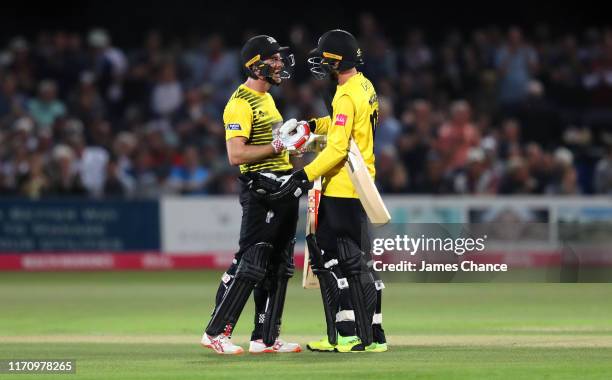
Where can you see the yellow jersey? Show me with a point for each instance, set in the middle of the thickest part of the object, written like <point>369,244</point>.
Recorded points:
<point>355,114</point>
<point>253,114</point>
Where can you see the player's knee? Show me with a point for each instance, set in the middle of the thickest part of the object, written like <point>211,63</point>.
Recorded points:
<point>253,263</point>
<point>281,265</point>
<point>350,257</point>
<point>314,250</point>
<point>286,267</point>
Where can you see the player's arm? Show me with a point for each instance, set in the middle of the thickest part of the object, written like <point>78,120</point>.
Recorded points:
<point>238,119</point>
<point>338,136</point>
<point>320,125</point>
<point>239,152</point>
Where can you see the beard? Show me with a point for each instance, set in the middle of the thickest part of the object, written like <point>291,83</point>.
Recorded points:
<point>333,75</point>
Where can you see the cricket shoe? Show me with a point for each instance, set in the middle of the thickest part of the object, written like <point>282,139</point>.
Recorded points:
<point>322,345</point>
<point>279,346</point>
<point>377,347</point>
<point>349,344</point>
<point>221,344</point>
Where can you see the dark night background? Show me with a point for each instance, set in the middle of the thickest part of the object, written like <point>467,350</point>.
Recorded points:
<point>129,21</point>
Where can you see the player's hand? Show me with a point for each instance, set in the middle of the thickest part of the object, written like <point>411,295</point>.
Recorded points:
<point>297,182</point>
<point>288,127</point>
<point>315,143</point>
<point>290,136</point>
<point>301,179</point>
<point>277,135</point>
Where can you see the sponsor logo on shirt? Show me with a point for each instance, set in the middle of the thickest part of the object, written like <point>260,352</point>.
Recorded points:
<point>233,127</point>
<point>341,119</point>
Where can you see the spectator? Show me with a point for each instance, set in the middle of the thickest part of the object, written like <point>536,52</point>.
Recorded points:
<point>34,184</point>
<point>90,163</point>
<point>65,180</point>
<point>457,136</point>
<point>379,59</point>
<point>564,180</point>
<point>399,182</point>
<point>18,165</point>
<point>196,119</point>
<point>300,47</point>
<point>146,181</point>
<point>450,72</point>
<point>598,79</point>
<point>415,141</point>
<point>11,100</point>
<point>159,141</point>
<point>476,177</point>
<point>190,177</point>
<point>225,183</point>
<point>117,183</point>
<point>86,104</point>
<point>517,179</point>
<point>385,165</point>
<point>124,148</point>
<point>110,67</point>
<point>46,108</point>
<point>22,65</point>
<point>516,63</point>
<point>539,120</point>
<point>510,139</point>
<point>214,65</point>
<point>140,72</point>
<point>564,78</point>
<point>23,133</point>
<point>415,55</point>
<point>388,128</point>
<point>167,94</point>
<point>540,166</point>
<point>436,182</point>
<point>569,182</point>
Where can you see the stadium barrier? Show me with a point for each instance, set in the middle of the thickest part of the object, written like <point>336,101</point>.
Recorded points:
<point>201,232</point>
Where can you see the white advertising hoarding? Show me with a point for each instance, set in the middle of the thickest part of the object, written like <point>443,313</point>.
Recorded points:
<point>212,224</point>
<point>196,225</point>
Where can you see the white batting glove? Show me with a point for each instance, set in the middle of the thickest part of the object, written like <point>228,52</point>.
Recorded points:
<point>290,136</point>
<point>283,130</point>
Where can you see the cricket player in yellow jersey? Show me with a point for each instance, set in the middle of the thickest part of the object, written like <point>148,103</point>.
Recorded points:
<point>342,259</point>
<point>259,141</point>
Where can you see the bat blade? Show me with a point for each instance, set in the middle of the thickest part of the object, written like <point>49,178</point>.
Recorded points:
<point>364,186</point>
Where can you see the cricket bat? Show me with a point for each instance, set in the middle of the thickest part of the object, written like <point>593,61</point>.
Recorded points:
<point>366,189</point>
<point>309,280</point>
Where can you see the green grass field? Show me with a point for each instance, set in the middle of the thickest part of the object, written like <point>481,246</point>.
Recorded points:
<point>148,325</point>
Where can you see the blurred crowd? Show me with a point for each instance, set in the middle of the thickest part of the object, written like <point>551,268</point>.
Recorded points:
<point>490,111</point>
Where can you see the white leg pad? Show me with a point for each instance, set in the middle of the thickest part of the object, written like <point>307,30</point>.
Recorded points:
<point>377,319</point>
<point>345,315</point>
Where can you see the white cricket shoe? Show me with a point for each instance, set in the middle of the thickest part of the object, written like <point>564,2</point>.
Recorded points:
<point>280,346</point>
<point>221,344</point>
